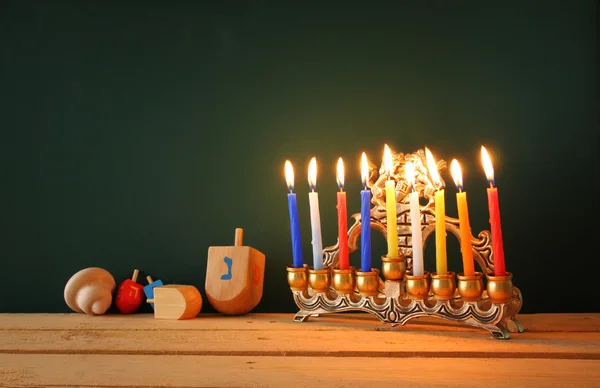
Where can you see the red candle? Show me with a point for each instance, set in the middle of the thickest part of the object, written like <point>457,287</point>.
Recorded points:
<point>342,218</point>
<point>494,209</point>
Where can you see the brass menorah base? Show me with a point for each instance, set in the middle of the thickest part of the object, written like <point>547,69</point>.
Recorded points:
<point>401,296</point>
<point>399,301</point>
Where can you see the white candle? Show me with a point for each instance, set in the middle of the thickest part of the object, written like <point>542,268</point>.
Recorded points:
<point>315,217</point>
<point>415,221</point>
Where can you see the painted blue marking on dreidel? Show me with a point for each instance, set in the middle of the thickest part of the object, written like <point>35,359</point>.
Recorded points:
<point>229,262</point>
<point>149,289</point>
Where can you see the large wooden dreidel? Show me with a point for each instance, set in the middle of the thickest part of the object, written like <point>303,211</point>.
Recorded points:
<point>176,301</point>
<point>129,295</point>
<point>234,277</point>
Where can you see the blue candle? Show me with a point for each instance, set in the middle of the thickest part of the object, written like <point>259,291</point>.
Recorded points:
<point>294,220</point>
<point>365,218</point>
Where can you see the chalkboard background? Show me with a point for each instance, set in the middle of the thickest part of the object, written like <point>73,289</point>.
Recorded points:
<point>138,134</point>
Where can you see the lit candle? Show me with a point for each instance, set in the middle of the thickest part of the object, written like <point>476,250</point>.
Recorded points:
<point>315,217</point>
<point>390,200</point>
<point>494,209</point>
<point>365,217</point>
<point>415,221</point>
<point>463,219</point>
<point>441,264</point>
<point>342,218</point>
<point>294,221</point>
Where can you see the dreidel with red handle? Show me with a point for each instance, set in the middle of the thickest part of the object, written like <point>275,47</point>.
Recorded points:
<point>149,289</point>
<point>129,295</point>
<point>234,277</point>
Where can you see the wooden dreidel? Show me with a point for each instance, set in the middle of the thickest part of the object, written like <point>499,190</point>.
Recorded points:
<point>129,295</point>
<point>176,301</point>
<point>234,277</point>
<point>90,291</point>
<point>149,289</point>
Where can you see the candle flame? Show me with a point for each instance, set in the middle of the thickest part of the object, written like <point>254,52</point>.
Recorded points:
<point>312,174</point>
<point>289,175</point>
<point>433,170</point>
<point>388,165</point>
<point>487,165</point>
<point>340,174</point>
<point>409,171</point>
<point>364,170</point>
<point>456,174</point>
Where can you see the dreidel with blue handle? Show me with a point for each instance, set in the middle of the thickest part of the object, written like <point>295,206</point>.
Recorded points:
<point>149,289</point>
<point>234,277</point>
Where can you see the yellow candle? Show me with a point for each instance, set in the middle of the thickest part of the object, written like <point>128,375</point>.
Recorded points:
<point>463,219</point>
<point>441,265</point>
<point>390,200</point>
<point>441,262</point>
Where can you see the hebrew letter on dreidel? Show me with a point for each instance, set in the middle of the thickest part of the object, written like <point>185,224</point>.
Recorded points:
<point>229,262</point>
<point>234,277</point>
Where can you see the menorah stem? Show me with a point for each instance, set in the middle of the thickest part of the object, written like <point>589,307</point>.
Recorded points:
<point>513,325</point>
<point>301,316</point>
<point>499,332</point>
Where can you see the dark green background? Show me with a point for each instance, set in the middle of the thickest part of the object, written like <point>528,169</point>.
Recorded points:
<point>138,134</point>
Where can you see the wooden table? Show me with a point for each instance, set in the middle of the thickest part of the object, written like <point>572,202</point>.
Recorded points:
<point>270,350</point>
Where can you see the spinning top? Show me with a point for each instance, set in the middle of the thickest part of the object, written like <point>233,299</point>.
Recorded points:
<point>90,291</point>
<point>129,295</point>
<point>176,301</point>
<point>234,277</point>
<point>149,289</point>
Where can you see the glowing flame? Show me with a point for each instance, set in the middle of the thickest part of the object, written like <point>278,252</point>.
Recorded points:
<point>456,174</point>
<point>312,174</point>
<point>388,165</point>
<point>409,171</point>
<point>487,165</point>
<point>289,175</point>
<point>340,174</point>
<point>432,167</point>
<point>364,169</point>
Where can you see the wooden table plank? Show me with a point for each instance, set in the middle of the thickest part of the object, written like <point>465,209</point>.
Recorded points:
<point>282,322</point>
<point>231,371</point>
<point>317,343</point>
<point>270,350</point>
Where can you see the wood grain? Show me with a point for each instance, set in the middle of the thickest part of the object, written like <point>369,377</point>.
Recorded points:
<point>317,343</point>
<point>270,350</point>
<point>282,322</point>
<point>231,371</point>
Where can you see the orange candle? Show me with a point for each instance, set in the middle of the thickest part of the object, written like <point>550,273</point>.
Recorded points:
<point>494,209</point>
<point>342,218</point>
<point>466,246</point>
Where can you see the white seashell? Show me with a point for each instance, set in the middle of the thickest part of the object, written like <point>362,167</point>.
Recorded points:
<point>90,291</point>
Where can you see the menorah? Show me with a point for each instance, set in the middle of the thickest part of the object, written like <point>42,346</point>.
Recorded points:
<point>401,296</point>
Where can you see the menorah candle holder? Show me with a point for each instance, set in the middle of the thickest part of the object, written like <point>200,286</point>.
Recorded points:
<point>401,296</point>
